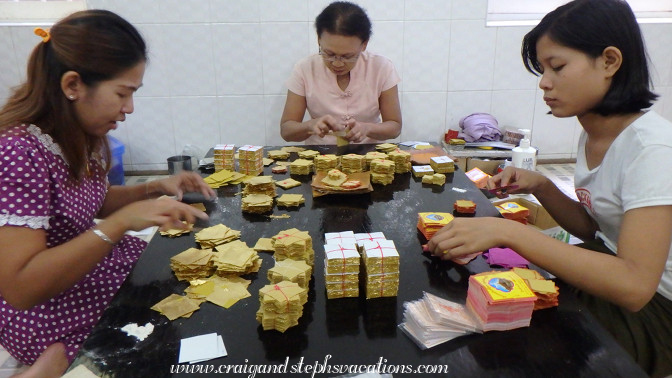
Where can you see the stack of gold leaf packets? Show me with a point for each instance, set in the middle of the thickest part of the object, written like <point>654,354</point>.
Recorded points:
<point>291,200</point>
<point>291,270</point>
<point>257,203</point>
<point>442,164</point>
<point>294,244</point>
<point>251,160</point>
<point>401,159</point>
<point>381,262</point>
<point>215,235</point>
<point>373,155</point>
<point>192,263</point>
<point>236,258</point>
<point>281,305</point>
<point>308,154</point>
<point>301,167</point>
<point>352,163</point>
<point>341,269</point>
<point>382,171</point>
<point>326,162</point>
<point>260,185</point>
<point>224,157</point>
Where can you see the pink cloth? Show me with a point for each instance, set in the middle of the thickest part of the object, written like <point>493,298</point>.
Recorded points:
<point>505,257</point>
<point>372,75</point>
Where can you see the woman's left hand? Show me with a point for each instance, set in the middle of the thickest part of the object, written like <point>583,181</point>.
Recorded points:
<point>184,182</point>
<point>357,131</point>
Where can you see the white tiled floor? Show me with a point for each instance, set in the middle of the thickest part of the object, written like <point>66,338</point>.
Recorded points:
<point>561,174</point>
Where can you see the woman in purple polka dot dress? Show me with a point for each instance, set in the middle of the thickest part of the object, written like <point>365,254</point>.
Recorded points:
<point>59,269</point>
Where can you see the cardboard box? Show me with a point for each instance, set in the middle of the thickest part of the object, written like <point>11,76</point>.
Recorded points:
<point>539,218</point>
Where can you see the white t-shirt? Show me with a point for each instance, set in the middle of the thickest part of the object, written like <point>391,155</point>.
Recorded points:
<point>372,75</point>
<point>634,173</point>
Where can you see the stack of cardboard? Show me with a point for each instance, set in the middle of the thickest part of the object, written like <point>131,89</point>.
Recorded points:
<point>382,171</point>
<point>290,270</point>
<point>281,305</point>
<point>430,223</point>
<point>341,269</point>
<point>401,159</point>
<point>381,263</point>
<point>500,300</point>
<point>192,263</point>
<point>352,163</point>
<point>294,244</point>
<point>215,235</point>
<point>251,160</point>
<point>224,157</point>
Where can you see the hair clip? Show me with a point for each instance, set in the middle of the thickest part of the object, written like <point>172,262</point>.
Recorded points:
<point>43,33</point>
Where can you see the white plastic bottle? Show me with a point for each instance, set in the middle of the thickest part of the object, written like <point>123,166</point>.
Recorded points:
<point>525,156</point>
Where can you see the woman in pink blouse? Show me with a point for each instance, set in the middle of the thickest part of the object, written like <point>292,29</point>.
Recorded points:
<point>344,87</point>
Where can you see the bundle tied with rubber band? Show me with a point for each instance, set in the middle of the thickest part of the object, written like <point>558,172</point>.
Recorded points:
<point>291,270</point>
<point>341,269</point>
<point>381,262</point>
<point>281,305</point>
<point>294,244</point>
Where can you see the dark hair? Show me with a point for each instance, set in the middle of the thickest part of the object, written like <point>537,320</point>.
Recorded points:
<point>98,45</point>
<point>344,18</point>
<point>591,26</point>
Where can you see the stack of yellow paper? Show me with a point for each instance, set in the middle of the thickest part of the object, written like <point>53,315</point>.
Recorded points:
<point>381,262</point>
<point>251,160</point>
<point>288,183</point>
<point>224,157</point>
<point>353,163</point>
<point>236,258</point>
<point>301,167</point>
<point>372,155</point>
<point>224,177</point>
<point>386,147</point>
<point>215,235</point>
<point>278,155</point>
<point>308,154</point>
<point>264,245</point>
<point>401,159</point>
<point>294,244</point>
<point>175,306</point>
<point>325,162</point>
<point>421,170</point>
<point>291,200</point>
<point>442,164</point>
<point>175,232</point>
<point>382,171</point>
<point>260,185</point>
<point>430,223</point>
<point>257,203</point>
<point>290,270</point>
<point>341,270</point>
<point>281,305</point>
<point>334,178</point>
<point>192,263</point>
<point>435,179</point>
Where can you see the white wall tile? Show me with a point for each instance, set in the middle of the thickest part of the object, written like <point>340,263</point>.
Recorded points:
<point>156,82</point>
<point>472,56</point>
<point>24,41</point>
<point>550,134</point>
<point>235,11</point>
<point>191,64</point>
<point>425,116</point>
<point>150,132</point>
<point>461,104</point>
<point>238,59</point>
<point>509,71</point>
<point>195,121</point>
<point>426,63</point>
<point>273,106</point>
<point>470,10</point>
<point>184,11</point>
<point>512,108</point>
<point>388,10</point>
<point>388,41</point>
<point>240,122</point>
<point>9,66</point>
<point>658,38</point>
<point>283,44</point>
<point>285,10</point>
<point>428,9</point>
<point>135,11</point>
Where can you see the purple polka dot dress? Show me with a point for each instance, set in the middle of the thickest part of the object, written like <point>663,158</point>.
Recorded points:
<point>35,192</point>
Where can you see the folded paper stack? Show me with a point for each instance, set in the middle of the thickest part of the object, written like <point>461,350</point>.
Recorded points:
<point>260,185</point>
<point>215,235</point>
<point>465,206</point>
<point>257,203</point>
<point>308,154</point>
<point>341,269</point>
<point>381,263</point>
<point>175,232</point>
<point>421,170</point>
<point>325,162</point>
<point>401,159</point>
<point>361,238</point>
<point>281,305</point>
<point>291,270</point>
<point>278,155</point>
<point>442,164</point>
<point>478,177</point>
<point>301,167</point>
<point>288,183</point>
<point>175,306</point>
<point>334,178</point>
<point>294,244</point>
<point>192,263</point>
<point>223,157</point>
<point>251,160</point>
<point>500,300</point>
<point>435,179</point>
<point>352,163</point>
<point>372,155</point>
<point>545,290</point>
<point>343,237</point>
<point>514,211</point>
<point>430,223</point>
<point>223,178</point>
<point>386,147</point>
<point>236,258</point>
<point>382,171</point>
<point>291,200</point>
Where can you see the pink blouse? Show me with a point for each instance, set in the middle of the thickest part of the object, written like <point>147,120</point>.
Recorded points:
<point>372,75</point>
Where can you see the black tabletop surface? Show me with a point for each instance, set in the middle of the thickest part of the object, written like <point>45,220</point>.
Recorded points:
<point>560,342</point>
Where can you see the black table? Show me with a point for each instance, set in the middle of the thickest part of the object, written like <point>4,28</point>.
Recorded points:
<point>562,341</point>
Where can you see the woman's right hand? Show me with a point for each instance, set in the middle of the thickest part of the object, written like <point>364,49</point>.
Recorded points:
<point>164,212</point>
<point>526,181</point>
<point>322,125</point>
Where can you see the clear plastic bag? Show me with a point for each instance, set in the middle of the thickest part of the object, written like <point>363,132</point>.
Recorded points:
<point>196,154</point>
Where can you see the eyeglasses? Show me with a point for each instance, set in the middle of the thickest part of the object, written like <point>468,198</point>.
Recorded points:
<point>343,59</point>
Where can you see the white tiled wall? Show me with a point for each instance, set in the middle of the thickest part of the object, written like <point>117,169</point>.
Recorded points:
<point>218,67</point>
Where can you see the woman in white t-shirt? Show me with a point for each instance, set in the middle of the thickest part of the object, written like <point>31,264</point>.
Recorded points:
<point>344,88</point>
<point>592,61</point>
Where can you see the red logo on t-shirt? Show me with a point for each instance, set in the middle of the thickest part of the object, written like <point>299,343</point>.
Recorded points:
<point>584,197</point>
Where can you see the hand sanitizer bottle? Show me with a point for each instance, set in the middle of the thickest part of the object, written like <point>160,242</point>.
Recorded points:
<point>525,156</point>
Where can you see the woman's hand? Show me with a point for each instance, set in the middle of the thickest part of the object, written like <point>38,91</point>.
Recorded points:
<point>463,236</point>
<point>525,181</point>
<point>177,185</point>
<point>166,213</point>
<point>321,126</point>
<point>357,131</point>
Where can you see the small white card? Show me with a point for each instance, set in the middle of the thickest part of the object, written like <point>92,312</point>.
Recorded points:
<point>201,348</point>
